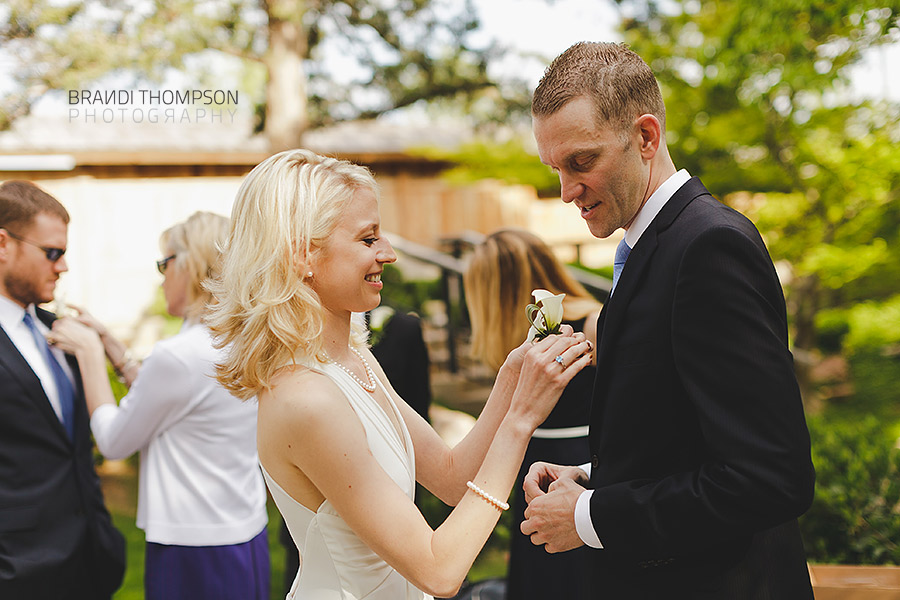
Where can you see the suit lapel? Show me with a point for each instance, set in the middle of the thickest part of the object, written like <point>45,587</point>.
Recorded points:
<point>612,317</point>
<point>20,370</point>
<point>637,263</point>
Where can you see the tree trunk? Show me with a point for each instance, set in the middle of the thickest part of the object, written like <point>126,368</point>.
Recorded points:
<point>804,304</point>
<point>286,118</point>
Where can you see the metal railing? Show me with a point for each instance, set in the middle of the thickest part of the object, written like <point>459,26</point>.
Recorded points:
<point>451,269</point>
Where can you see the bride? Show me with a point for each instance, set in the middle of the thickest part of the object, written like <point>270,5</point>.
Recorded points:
<point>340,451</point>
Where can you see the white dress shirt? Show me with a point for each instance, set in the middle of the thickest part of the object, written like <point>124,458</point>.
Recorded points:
<point>199,480</point>
<point>11,319</point>
<point>583,524</point>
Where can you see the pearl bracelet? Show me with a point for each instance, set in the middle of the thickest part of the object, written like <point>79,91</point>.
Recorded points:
<point>498,504</point>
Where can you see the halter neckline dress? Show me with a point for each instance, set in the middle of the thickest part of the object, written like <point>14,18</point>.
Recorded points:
<point>335,563</point>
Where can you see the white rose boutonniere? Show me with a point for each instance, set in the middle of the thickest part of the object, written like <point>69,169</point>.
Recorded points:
<point>545,315</point>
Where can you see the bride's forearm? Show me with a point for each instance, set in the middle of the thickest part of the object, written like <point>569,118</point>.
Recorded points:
<point>459,539</point>
<point>468,455</point>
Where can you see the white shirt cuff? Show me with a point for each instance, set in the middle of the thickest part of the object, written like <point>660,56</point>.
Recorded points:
<point>586,467</point>
<point>583,524</point>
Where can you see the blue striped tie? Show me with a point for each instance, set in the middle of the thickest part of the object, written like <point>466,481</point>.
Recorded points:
<point>622,252</point>
<point>63,385</point>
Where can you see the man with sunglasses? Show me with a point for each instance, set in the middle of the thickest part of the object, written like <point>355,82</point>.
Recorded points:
<point>57,540</point>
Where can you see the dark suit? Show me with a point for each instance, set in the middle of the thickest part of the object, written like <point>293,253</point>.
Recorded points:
<point>700,452</point>
<point>403,355</point>
<point>57,540</point>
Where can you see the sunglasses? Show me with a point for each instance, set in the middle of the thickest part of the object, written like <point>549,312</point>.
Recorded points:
<point>52,254</point>
<point>162,265</point>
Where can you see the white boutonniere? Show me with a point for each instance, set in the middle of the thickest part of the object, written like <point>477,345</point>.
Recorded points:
<point>545,315</point>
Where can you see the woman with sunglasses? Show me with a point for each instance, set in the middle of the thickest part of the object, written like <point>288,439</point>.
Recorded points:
<point>201,497</point>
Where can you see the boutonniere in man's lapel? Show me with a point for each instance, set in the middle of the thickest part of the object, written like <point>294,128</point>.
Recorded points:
<point>545,314</point>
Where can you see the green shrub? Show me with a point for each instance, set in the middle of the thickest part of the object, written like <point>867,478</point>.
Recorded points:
<point>407,294</point>
<point>876,382</point>
<point>855,516</point>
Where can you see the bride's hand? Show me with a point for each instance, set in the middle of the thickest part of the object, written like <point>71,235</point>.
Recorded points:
<point>515,359</point>
<point>545,368</point>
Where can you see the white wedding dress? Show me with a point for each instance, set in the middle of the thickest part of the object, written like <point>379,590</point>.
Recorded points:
<point>334,563</point>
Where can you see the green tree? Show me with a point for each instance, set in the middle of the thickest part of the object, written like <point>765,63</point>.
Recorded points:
<point>759,105</point>
<point>399,53</point>
<point>507,161</point>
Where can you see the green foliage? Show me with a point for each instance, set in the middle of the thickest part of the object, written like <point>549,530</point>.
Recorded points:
<point>408,295</point>
<point>606,271</point>
<point>491,561</point>
<point>768,112</point>
<point>855,516</point>
<point>276,552</point>
<point>393,54</point>
<point>507,161</point>
<point>133,585</point>
<point>874,324</point>
<point>868,324</point>
<point>119,389</point>
<point>875,374</point>
<point>158,308</point>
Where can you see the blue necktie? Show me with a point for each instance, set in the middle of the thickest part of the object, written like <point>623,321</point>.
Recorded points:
<point>63,385</point>
<point>622,252</point>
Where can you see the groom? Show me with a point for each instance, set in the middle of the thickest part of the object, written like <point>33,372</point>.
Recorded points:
<point>700,454</point>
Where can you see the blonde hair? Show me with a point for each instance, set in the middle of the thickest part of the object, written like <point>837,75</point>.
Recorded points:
<point>502,272</point>
<point>196,244</point>
<point>265,313</point>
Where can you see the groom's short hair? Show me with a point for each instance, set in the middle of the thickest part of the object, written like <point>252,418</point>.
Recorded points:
<point>618,82</point>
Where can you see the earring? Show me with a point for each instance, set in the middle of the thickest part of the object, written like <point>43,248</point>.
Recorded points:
<point>309,274</point>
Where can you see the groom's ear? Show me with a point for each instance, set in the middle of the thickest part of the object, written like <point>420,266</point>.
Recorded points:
<point>4,245</point>
<point>650,135</point>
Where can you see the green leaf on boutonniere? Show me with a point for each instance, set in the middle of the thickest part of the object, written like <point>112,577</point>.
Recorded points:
<point>545,315</point>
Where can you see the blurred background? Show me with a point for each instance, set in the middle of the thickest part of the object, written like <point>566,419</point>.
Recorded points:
<point>135,114</point>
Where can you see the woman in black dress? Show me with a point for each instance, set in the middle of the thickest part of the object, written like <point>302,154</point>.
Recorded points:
<point>503,271</point>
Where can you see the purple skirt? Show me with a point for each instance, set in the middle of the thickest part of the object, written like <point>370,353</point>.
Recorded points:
<point>233,572</point>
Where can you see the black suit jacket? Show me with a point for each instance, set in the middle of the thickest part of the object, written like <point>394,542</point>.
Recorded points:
<point>55,532</point>
<point>700,452</point>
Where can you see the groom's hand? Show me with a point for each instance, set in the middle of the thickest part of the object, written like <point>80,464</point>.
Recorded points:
<point>550,517</point>
<point>542,475</point>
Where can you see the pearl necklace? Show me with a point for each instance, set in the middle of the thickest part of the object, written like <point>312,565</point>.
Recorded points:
<point>368,385</point>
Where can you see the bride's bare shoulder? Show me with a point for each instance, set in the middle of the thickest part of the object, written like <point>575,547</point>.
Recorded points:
<point>298,392</point>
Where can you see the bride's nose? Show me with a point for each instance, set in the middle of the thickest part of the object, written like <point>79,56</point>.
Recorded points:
<point>386,252</point>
